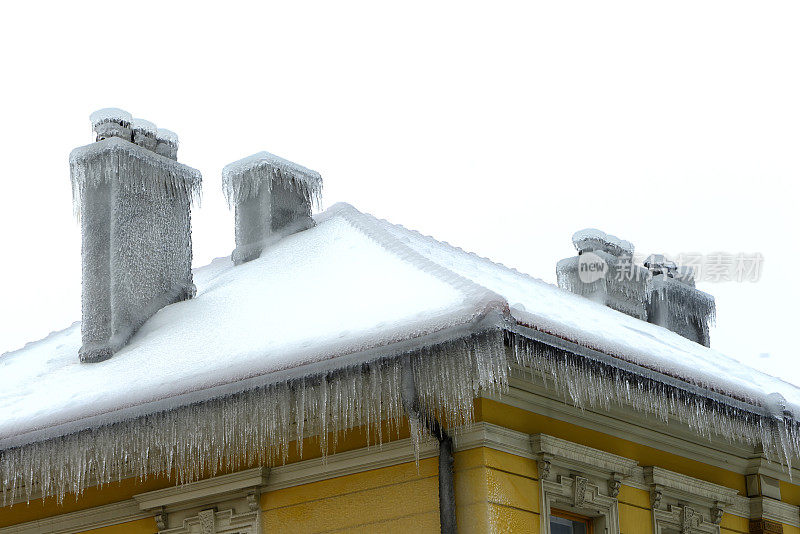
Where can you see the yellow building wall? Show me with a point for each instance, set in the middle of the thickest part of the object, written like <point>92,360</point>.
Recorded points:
<point>399,498</point>
<point>142,526</point>
<point>635,516</point>
<point>495,491</point>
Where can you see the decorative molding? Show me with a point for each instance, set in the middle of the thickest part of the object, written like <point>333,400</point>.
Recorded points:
<point>211,521</point>
<point>577,494</point>
<point>581,458</point>
<point>207,521</point>
<point>529,393</point>
<point>75,522</point>
<point>203,491</point>
<point>772,510</point>
<point>176,508</point>
<point>614,484</point>
<point>579,479</point>
<point>161,519</point>
<point>684,519</point>
<point>688,488</point>
<point>684,503</point>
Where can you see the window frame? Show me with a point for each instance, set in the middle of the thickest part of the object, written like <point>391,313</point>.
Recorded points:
<point>572,516</point>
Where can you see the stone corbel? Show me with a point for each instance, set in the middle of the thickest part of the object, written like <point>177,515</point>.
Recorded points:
<point>253,501</point>
<point>656,494</point>
<point>614,484</point>
<point>161,518</point>
<point>716,512</point>
<point>544,464</point>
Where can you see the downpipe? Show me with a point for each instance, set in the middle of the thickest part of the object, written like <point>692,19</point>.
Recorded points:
<point>447,493</point>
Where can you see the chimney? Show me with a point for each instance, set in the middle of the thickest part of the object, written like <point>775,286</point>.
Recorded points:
<point>674,303</point>
<point>658,292</point>
<point>272,198</point>
<point>133,201</point>
<point>603,271</point>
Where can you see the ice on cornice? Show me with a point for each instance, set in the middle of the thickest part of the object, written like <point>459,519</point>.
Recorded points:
<point>162,134</point>
<point>137,169</point>
<point>591,239</point>
<point>110,115</point>
<point>143,125</point>
<point>244,178</point>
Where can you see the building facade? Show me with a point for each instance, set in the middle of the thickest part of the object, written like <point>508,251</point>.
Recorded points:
<point>343,374</point>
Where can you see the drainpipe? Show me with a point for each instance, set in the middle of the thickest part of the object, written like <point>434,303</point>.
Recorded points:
<point>447,496</point>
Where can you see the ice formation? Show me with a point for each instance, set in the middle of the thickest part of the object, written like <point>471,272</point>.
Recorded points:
<point>134,207</point>
<point>243,179</point>
<point>258,425</point>
<point>604,382</point>
<point>104,115</point>
<point>658,292</point>
<point>271,197</point>
<point>310,339</point>
<point>592,239</point>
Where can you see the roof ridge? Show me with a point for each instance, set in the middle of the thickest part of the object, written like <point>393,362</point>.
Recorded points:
<point>460,250</point>
<point>483,298</point>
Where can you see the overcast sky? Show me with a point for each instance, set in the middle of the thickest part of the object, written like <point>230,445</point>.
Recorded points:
<point>501,128</point>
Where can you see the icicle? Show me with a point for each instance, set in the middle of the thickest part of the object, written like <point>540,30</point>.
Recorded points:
<point>115,159</point>
<point>588,383</point>
<point>684,302</point>
<point>243,179</point>
<point>257,426</point>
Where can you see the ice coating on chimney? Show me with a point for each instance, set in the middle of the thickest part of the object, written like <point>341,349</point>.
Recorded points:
<point>616,282</point>
<point>272,197</point>
<point>591,239</point>
<point>134,207</point>
<point>111,122</point>
<point>110,115</point>
<point>167,143</point>
<point>658,292</point>
<point>674,303</point>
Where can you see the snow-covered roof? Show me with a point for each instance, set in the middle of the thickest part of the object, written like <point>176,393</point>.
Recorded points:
<point>352,290</point>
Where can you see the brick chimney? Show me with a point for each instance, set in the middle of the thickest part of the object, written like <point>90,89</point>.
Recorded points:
<point>133,201</point>
<point>658,292</point>
<point>272,198</point>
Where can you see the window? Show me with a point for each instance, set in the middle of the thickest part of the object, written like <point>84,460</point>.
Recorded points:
<point>569,523</point>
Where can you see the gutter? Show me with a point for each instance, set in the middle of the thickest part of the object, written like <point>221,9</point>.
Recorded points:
<point>619,363</point>
<point>447,495</point>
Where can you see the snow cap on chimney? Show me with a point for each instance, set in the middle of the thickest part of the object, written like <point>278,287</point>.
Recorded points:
<point>111,122</point>
<point>592,239</point>
<point>167,143</point>
<point>144,133</point>
<point>272,198</point>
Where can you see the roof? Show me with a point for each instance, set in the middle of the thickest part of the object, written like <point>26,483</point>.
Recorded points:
<point>351,290</point>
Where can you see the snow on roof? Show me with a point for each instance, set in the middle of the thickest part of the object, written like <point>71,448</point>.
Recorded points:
<point>315,297</point>
<point>349,290</point>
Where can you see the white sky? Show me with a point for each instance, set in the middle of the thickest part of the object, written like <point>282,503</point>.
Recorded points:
<point>501,128</point>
